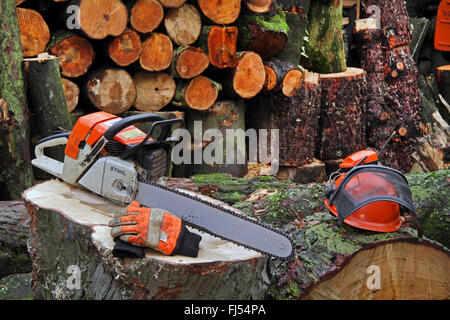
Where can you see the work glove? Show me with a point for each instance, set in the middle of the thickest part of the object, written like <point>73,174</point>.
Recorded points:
<point>155,228</point>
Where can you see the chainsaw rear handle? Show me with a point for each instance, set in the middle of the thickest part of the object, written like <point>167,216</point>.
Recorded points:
<point>129,121</point>
<point>48,164</point>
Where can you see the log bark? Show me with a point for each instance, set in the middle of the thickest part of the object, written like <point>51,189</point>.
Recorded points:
<point>249,76</point>
<point>228,151</point>
<point>183,25</point>
<point>443,79</point>
<point>154,90</point>
<point>199,93</point>
<point>71,93</point>
<point>157,52</point>
<point>101,18</point>
<point>34,32</point>
<point>220,12</point>
<point>47,96</point>
<point>221,45</point>
<point>111,90</point>
<point>325,48</point>
<point>75,53</point>
<point>126,48</point>
<point>293,108</point>
<point>188,62</point>
<point>76,234</point>
<point>146,15</point>
<point>393,19</point>
<point>15,158</point>
<point>265,34</point>
<point>342,128</point>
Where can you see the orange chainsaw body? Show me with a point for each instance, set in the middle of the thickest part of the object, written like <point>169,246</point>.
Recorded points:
<point>90,128</point>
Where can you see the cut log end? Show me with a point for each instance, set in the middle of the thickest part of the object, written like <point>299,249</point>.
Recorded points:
<point>220,12</point>
<point>259,6</point>
<point>111,90</point>
<point>154,90</point>
<point>292,82</point>
<point>72,93</point>
<point>271,78</point>
<point>400,270</point>
<point>222,46</point>
<point>126,48</point>
<point>101,18</point>
<point>183,25</point>
<point>172,3</point>
<point>157,52</point>
<point>34,32</point>
<point>201,93</point>
<point>146,15</point>
<point>250,76</point>
<point>75,55</point>
<point>191,62</point>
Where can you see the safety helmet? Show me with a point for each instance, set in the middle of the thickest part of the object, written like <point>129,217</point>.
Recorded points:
<point>368,195</point>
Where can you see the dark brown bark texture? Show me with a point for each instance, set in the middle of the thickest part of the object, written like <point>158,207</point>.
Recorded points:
<point>343,129</point>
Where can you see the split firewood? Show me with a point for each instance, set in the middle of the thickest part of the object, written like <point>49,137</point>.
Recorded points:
<point>34,32</point>
<point>111,90</point>
<point>220,12</point>
<point>220,43</point>
<point>199,93</point>
<point>188,62</point>
<point>75,53</point>
<point>101,18</point>
<point>154,90</point>
<point>157,52</point>
<point>146,15</point>
<point>183,25</point>
<point>126,48</point>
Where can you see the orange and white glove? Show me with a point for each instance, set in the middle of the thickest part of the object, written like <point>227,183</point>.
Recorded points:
<point>155,228</point>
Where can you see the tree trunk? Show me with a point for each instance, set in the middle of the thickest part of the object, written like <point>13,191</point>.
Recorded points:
<point>15,159</point>
<point>393,19</point>
<point>101,18</point>
<point>188,62</point>
<point>325,48</point>
<point>70,237</point>
<point>157,52</point>
<point>183,25</point>
<point>47,96</point>
<point>34,32</point>
<point>154,90</point>
<point>342,129</point>
<point>292,107</point>
<point>199,93</point>
<point>229,154</point>
<point>220,12</point>
<point>72,94</point>
<point>126,48</point>
<point>111,90</point>
<point>221,44</point>
<point>146,15</point>
<point>265,34</point>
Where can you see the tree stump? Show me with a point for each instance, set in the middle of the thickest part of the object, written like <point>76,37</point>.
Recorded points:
<point>342,113</point>
<point>70,245</point>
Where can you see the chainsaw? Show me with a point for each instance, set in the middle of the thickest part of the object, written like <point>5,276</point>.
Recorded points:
<point>113,158</point>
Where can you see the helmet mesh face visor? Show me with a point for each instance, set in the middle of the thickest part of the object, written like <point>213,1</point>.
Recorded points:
<point>368,184</point>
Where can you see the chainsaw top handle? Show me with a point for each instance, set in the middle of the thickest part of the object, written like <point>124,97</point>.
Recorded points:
<point>157,120</point>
